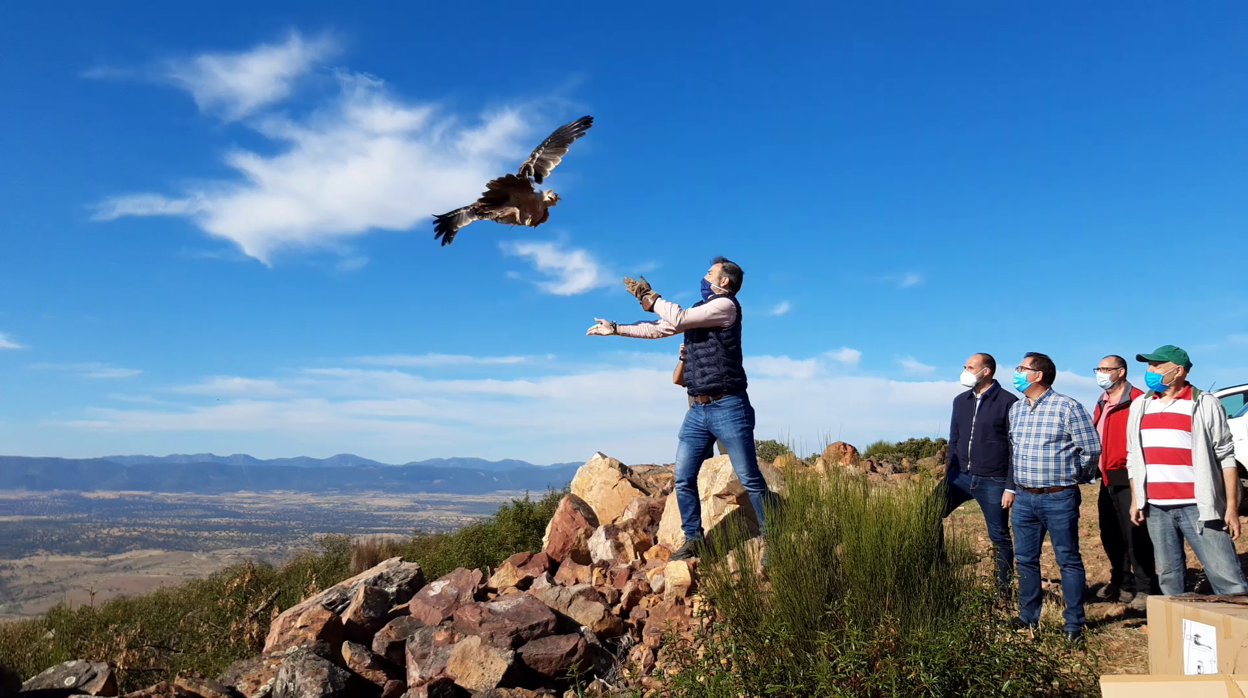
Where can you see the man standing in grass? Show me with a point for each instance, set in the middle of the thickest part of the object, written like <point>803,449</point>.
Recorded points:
<point>1133,574</point>
<point>979,458</point>
<point>714,377</point>
<point>1183,480</point>
<point>1055,449</point>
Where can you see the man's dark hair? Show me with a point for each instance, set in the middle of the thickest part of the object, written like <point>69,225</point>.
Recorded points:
<point>989,362</point>
<point>734,273</point>
<point>1046,367</point>
<point>1122,363</point>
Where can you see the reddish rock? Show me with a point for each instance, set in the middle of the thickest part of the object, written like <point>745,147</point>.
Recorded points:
<point>519,559</point>
<point>632,594</point>
<point>509,576</point>
<point>841,453</point>
<point>394,689</point>
<point>249,676</point>
<point>645,513</point>
<point>315,623</point>
<point>567,534</point>
<point>641,658</point>
<point>582,604</point>
<point>538,565</point>
<point>662,619</point>
<point>437,602</point>
<point>368,612</point>
<point>427,652</point>
<point>618,577</point>
<point>657,481</point>
<point>302,623</point>
<point>555,656</point>
<point>507,622</point>
<point>391,641</point>
<point>367,665</point>
<point>610,594</point>
<point>478,666</point>
<point>571,573</point>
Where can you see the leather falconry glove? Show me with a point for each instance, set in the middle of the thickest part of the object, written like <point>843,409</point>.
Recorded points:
<point>642,291</point>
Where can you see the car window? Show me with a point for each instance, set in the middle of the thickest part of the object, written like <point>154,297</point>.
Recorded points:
<point>1242,413</point>
<point>1234,404</point>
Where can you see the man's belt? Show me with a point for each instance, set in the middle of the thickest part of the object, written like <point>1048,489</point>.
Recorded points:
<point>1049,490</point>
<point>708,399</point>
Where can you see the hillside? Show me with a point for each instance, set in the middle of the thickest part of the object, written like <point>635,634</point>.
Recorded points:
<point>341,460</point>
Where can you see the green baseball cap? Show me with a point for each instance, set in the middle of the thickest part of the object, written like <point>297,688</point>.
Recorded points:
<point>1169,353</point>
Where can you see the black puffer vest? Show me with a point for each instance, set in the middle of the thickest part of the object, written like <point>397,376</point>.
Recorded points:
<point>713,361</point>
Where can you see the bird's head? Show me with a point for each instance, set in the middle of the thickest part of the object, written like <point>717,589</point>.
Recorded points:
<point>550,198</point>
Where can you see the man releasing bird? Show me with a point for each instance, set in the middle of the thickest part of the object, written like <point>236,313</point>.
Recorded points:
<point>512,199</point>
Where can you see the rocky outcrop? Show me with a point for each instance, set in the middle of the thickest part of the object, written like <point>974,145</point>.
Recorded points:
<point>722,495</point>
<point>605,485</point>
<point>437,602</point>
<point>567,534</point>
<point>841,453</point>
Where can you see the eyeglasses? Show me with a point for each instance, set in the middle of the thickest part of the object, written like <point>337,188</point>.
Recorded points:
<point>1098,369</point>
<point>1025,369</point>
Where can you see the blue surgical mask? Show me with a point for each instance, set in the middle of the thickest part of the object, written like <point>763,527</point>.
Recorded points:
<point>1021,384</point>
<point>708,290</point>
<point>1154,381</point>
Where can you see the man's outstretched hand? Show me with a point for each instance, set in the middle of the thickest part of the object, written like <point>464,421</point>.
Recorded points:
<point>639,289</point>
<point>604,328</point>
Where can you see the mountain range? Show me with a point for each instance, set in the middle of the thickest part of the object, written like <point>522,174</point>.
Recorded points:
<point>211,474</point>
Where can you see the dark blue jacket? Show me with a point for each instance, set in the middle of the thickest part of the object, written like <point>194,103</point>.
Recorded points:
<point>987,450</point>
<point>713,359</point>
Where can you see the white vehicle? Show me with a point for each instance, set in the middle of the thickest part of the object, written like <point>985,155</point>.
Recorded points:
<point>1235,401</point>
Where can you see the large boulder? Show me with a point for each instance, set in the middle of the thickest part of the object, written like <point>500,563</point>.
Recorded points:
<point>584,605</point>
<point>305,674</point>
<point>616,545</point>
<point>677,580</point>
<point>722,495</point>
<point>478,666</point>
<point>656,481</point>
<point>391,641</point>
<point>368,612</point>
<point>75,677</point>
<point>436,603</point>
<point>555,656</point>
<point>567,534</point>
<point>507,622</point>
<point>841,453</point>
<point>427,652</point>
<point>604,484</point>
<point>303,622</point>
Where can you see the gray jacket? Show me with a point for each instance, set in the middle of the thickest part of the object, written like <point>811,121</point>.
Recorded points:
<point>1212,452</point>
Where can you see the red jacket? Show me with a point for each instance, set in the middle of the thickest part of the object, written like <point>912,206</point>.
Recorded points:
<point>1114,445</point>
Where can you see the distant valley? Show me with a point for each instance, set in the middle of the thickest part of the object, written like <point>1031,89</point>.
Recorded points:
<point>210,474</point>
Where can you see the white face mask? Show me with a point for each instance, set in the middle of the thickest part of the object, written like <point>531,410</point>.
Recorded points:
<point>1104,380</point>
<point>969,380</point>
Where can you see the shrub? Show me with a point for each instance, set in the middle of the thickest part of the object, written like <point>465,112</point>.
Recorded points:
<point>206,624</point>
<point>863,600</point>
<point>770,450</point>
<point>914,449</point>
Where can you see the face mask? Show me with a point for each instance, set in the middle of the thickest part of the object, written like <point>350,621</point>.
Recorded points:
<point>1103,380</point>
<point>1154,381</point>
<point>710,290</point>
<point>969,380</point>
<point>1021,384</point>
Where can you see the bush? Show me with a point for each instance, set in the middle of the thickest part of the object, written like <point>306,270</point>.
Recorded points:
<point>770,450</point>
<point>205,625</point>
<point>862,601</point>
<point>914,449</point>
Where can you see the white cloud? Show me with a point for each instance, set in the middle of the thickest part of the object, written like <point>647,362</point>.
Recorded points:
<point>235,85</point>
<point>90,370</point>
<point>569,271</point>
<point>845,355</point>
<point>367,160</point>
<point>235,386</point>
<point>782,308</point>
<point>914,367</point>
<point>782,367</point>
<point>437,360</point>
<point>910,279</point>
<point>6,343</point>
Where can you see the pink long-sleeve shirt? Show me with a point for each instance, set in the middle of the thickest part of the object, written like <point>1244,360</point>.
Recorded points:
<point>718,312</point>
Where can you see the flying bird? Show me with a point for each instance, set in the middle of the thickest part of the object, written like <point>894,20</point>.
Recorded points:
<point>513,199</point>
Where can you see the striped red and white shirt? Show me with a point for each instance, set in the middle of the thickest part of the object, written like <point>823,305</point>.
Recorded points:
<point>1166,436</point>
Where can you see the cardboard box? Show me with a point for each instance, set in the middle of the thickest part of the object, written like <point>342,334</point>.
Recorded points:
<point>1150,686</point>
<point>1187,636</point>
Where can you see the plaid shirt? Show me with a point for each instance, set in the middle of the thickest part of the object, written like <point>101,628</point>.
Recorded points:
<point>1054,442</point>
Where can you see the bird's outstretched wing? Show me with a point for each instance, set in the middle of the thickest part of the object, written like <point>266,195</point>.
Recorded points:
<point>505,189</point>
<point>550,153</point>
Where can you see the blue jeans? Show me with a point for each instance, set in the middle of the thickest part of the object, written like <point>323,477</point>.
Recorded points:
<point>961,487</point>
<point>1168,526</point>
<point>731,420</point>
<point>1057,514</point>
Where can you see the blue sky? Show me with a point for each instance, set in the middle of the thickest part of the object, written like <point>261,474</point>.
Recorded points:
<point>216,230</point>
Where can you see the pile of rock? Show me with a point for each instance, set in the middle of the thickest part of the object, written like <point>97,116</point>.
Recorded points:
<point>598,600</point>
<point>878,470</point>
